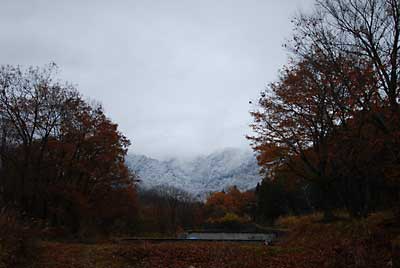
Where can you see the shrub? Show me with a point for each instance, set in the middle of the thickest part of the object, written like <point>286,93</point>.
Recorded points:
<point>230,221</point>
<point>17,244</point>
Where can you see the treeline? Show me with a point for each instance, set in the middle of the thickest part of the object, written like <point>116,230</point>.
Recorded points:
<point>61,157</point>
<point>329,128</point>
<point>167,210</point>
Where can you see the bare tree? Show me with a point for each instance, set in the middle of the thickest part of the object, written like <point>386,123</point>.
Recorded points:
<point>366,29</point>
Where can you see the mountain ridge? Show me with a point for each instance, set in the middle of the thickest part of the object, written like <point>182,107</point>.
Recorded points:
<point>199,175</point>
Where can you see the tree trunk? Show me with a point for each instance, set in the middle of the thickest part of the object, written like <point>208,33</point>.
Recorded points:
<point>396,253</point>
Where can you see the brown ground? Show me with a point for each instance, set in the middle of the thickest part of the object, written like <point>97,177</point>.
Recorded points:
<point>196,254</point>
<point>310,244</point>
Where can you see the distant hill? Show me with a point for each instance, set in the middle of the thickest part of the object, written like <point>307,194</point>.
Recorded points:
<point>200,175</point>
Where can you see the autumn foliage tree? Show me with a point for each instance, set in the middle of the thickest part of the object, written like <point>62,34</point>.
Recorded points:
<point>332,117</point>
<point>61,158</point>
<point>300,115</point>
<point>231,208</point>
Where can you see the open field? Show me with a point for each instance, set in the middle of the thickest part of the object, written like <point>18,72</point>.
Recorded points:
<point>199,255</point>
<point>310,243</point>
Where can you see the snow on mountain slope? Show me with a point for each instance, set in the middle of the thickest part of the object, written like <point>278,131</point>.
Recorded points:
<point>200,175</point>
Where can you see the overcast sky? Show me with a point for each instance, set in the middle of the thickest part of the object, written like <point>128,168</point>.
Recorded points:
<point>176,75</point>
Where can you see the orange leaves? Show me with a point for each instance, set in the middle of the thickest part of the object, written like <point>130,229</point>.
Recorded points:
<point>233,206</point>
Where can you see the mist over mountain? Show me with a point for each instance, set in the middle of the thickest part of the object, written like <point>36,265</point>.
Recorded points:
<point>199,175</point>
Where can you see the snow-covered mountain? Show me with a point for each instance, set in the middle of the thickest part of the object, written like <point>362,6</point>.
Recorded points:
<point>199,175</point>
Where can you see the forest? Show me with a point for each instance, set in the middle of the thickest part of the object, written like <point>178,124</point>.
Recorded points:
<point>326,135</point>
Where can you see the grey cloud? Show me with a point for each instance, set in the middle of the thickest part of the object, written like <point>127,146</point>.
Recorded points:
<point>176,75</point>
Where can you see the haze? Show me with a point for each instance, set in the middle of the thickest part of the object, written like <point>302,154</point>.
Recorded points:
<point>177,76</point>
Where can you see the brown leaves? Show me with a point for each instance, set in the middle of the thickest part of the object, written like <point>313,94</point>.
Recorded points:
<point>183,255</point>
<point>309,244</point>
<point>169,255</point>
